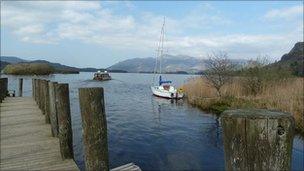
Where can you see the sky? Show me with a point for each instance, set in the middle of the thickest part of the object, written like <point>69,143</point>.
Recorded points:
<point>101,33</point>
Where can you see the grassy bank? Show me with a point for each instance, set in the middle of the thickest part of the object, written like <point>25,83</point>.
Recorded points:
<point>28,69</point>
<point>285,95</point>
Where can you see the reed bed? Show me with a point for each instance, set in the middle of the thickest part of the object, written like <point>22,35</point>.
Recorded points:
<point>285,95</point>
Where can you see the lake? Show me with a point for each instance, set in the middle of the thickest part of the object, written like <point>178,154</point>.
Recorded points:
<point>154,133</point>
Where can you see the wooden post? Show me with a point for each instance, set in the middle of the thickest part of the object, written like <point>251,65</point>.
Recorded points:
<point>33,88</point>
<point>46,102</point>
<point>36,90</point>
<point>257,139</point>
<point>94,126</point>
<point>39,93</point>
<point>53,111</point>
<point>65,134</point>
<point>3,88</point>
<point>20,86</point>
<point>42,97</point>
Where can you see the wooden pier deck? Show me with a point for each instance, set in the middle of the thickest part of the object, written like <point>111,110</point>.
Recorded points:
<point>26,141</point>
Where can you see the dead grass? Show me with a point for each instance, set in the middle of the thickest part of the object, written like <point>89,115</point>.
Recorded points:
<point>285,95</point>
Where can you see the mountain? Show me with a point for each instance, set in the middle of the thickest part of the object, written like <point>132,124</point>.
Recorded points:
<point>293,61</point>
<point>59,68</point>
<point>170,64</point>
<point>295,54</point>
<point>3,64</point>
<point>12,59</point>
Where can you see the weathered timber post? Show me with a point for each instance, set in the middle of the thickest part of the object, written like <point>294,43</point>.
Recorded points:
<point>94,126</point>
<point>257,139</point>
<point>47,102</point>
<point>65,134</point>
<point>53,110</point>
<point>43,94</point>
<point>33,88</point>
<point>39,93</point>
<point>20,86</point>
<point>3,88</point>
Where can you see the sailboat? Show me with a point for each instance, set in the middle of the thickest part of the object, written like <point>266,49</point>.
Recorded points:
<point>163,88</point>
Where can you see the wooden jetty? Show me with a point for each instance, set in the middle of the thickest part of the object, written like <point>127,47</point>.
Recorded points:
<point>36,132</point>
<point>26,140</point>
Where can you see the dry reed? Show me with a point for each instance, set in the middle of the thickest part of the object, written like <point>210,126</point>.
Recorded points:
<point>285,95</point>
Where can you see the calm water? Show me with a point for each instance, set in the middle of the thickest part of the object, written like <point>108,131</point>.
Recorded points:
<point>154,133</point>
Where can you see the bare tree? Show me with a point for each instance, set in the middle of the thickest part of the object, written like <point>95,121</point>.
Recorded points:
<point>219,69</point>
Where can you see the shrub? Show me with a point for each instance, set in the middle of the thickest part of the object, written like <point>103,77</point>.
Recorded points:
<point>28,69</point>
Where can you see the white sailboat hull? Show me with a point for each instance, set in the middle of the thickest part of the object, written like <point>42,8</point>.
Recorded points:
<point>170,94</point>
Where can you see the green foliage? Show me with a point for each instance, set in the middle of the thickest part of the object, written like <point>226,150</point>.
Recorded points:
<point>28,69</point>
<point>297,68</point>
<point>258,77</point>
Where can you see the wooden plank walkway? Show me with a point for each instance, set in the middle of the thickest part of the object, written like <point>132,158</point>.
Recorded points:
<point>26,141</point>
<point>127,167</point>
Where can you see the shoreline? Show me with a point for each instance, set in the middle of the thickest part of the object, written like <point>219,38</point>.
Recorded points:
<point>287,98</point>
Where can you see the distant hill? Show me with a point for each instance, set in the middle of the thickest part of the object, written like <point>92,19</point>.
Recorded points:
<point>59,68</point>
<point>295,54</point>
<point>293,61</point>
<point>179,64</point>
<point>170,64</point>
<point>3,64</point>
<point>12,59</point>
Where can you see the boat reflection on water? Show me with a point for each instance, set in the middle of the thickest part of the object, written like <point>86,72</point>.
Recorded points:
<point>164,101</point>
<point>210,128</point>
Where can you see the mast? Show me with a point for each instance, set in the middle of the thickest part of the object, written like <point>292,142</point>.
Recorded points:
<point>162,46</point>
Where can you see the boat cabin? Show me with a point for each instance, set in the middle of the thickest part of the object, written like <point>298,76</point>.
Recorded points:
<point>102,76</point>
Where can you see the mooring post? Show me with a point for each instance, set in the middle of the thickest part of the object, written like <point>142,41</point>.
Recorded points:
<point>257,139</point>
<point>33,93</point>
<point>43,93</point>
<point>94,126</point>
<point>65,134</point>
<point>39,93</point>
<point>20,86</point>
<point>53,111</point>
<point>3,88</point>
<point>47,102</point>
<point>36,90</point>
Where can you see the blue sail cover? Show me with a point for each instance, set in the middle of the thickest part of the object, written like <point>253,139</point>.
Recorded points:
<point>161,81</point>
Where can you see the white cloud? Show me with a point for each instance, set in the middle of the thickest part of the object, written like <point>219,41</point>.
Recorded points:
<point>285,13</point>
<point>91,22</point>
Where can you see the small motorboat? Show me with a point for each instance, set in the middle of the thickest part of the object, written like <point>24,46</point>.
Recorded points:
<point>102,76</point>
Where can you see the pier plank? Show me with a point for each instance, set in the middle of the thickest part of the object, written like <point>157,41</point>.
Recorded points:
<point>26,141</point>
